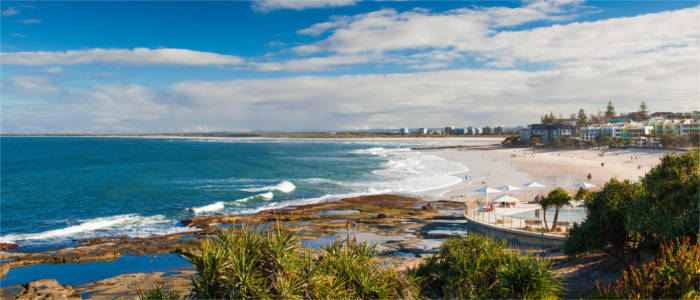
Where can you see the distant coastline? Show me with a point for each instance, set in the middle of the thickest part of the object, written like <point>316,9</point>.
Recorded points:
<point>256,135</point>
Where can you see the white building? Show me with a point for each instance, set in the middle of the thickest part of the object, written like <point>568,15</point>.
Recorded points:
<point>403,131</point>
<point>422,131</point>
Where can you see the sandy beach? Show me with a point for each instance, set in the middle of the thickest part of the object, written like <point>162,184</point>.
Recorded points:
<point>500,166</point>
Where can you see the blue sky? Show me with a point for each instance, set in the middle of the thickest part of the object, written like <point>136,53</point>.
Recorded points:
<point>339,64</point>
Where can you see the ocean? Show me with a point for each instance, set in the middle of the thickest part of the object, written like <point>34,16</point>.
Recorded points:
<point>58,189</point>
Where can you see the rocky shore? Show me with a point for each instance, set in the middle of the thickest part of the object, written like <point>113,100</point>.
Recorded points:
<point>405,229</point>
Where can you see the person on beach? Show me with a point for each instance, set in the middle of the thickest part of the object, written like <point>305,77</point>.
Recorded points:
<point>354,232</point>
<point>347,232</point>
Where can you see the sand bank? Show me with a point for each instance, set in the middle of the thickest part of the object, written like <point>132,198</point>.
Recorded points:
<point>500,166</point>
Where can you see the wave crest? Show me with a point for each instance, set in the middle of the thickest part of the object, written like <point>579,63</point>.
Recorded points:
<point>284,187</point>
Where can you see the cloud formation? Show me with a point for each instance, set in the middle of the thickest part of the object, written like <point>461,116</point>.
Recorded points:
<point>513,75</point>
<point>665,80</point>
<point>136,56</point>
<point>472,34</point>
<point>270,5</point>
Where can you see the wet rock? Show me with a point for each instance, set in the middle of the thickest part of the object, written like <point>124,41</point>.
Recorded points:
<point>8,246</point>
<point>46,289</point>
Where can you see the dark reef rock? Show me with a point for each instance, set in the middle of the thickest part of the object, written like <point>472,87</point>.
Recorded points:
<point>8,246</point>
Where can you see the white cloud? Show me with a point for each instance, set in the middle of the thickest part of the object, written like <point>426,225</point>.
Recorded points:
<point>612,38</point>
<point>270,5</point>
<point>459,97</point>
<point>387,30</point>
<point>651,58</point>
<point>314,63</point>
<point>320,28</point>
<point>665,80</point>
<point>483,34</point>
<point>10,11</point>
<point>33,84</point>
<point>53,70</point>
<point>136,56</point>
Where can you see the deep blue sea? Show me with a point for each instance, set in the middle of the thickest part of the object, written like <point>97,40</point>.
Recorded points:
<point>56,189</point>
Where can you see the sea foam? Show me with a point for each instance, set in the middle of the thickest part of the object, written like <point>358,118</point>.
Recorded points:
<point>129,224</point>
<point>284,187</point>
<point>209,208</point>
<point>412,172</point>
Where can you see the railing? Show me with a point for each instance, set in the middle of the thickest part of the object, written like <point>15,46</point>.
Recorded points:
<point>515,223</point>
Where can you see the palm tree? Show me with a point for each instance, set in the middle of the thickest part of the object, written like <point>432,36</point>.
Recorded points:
<point>557,198</point>
<point>583,194</point>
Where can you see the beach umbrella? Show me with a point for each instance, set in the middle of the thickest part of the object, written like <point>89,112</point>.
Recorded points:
<point>487,190</point>
<point>484,191</point>
<point>508,188</point>
<point>534,185</point>
<point>506,199</point>
<point>584,185</point>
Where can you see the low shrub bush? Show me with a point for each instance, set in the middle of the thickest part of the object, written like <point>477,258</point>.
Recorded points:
<point>480,267</point>
<point>673,274</point>
<point>160,292</point>
<point>247,262</point>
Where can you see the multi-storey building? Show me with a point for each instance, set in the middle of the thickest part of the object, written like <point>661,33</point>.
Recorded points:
<point>547,132</point>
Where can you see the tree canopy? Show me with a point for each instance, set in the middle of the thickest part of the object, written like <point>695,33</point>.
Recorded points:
<point>625,217</point>
<point>610,110</point>
<point>582,118</point>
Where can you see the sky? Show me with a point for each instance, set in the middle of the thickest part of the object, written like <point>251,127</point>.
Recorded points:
<point>276,65</point>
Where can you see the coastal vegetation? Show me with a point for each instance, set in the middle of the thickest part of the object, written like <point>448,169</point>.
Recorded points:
<point>626,218</point>
<point>248,262</point>
<point>481,267</point>
<point>657,216</point>
<point>160,292</point>
<point>673,274</point>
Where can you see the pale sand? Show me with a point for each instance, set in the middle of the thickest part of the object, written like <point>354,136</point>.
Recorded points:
<point>564,168</point>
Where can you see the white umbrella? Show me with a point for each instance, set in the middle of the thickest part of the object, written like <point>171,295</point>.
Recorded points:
<point>584,185</point>
<point>487,190</point>
<point>506,199</point>
<point>508,187</point>
<point>534,185</point>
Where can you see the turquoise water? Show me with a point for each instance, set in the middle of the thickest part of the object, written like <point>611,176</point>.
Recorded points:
<point>56,189</point>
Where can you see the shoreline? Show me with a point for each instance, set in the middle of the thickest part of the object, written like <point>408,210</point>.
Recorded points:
<point>405,233</point>
<point>500,166</point>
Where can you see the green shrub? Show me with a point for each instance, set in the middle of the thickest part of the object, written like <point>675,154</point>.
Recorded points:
<point>673,274</point>
<point>669,207</point>
<point>628,218</point>
<point>481,267</point>
<point>247,262</point>
<point>160,292</point>
<point>605,227</point>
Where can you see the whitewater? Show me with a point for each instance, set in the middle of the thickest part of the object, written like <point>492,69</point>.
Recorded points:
<point>162,181</point>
